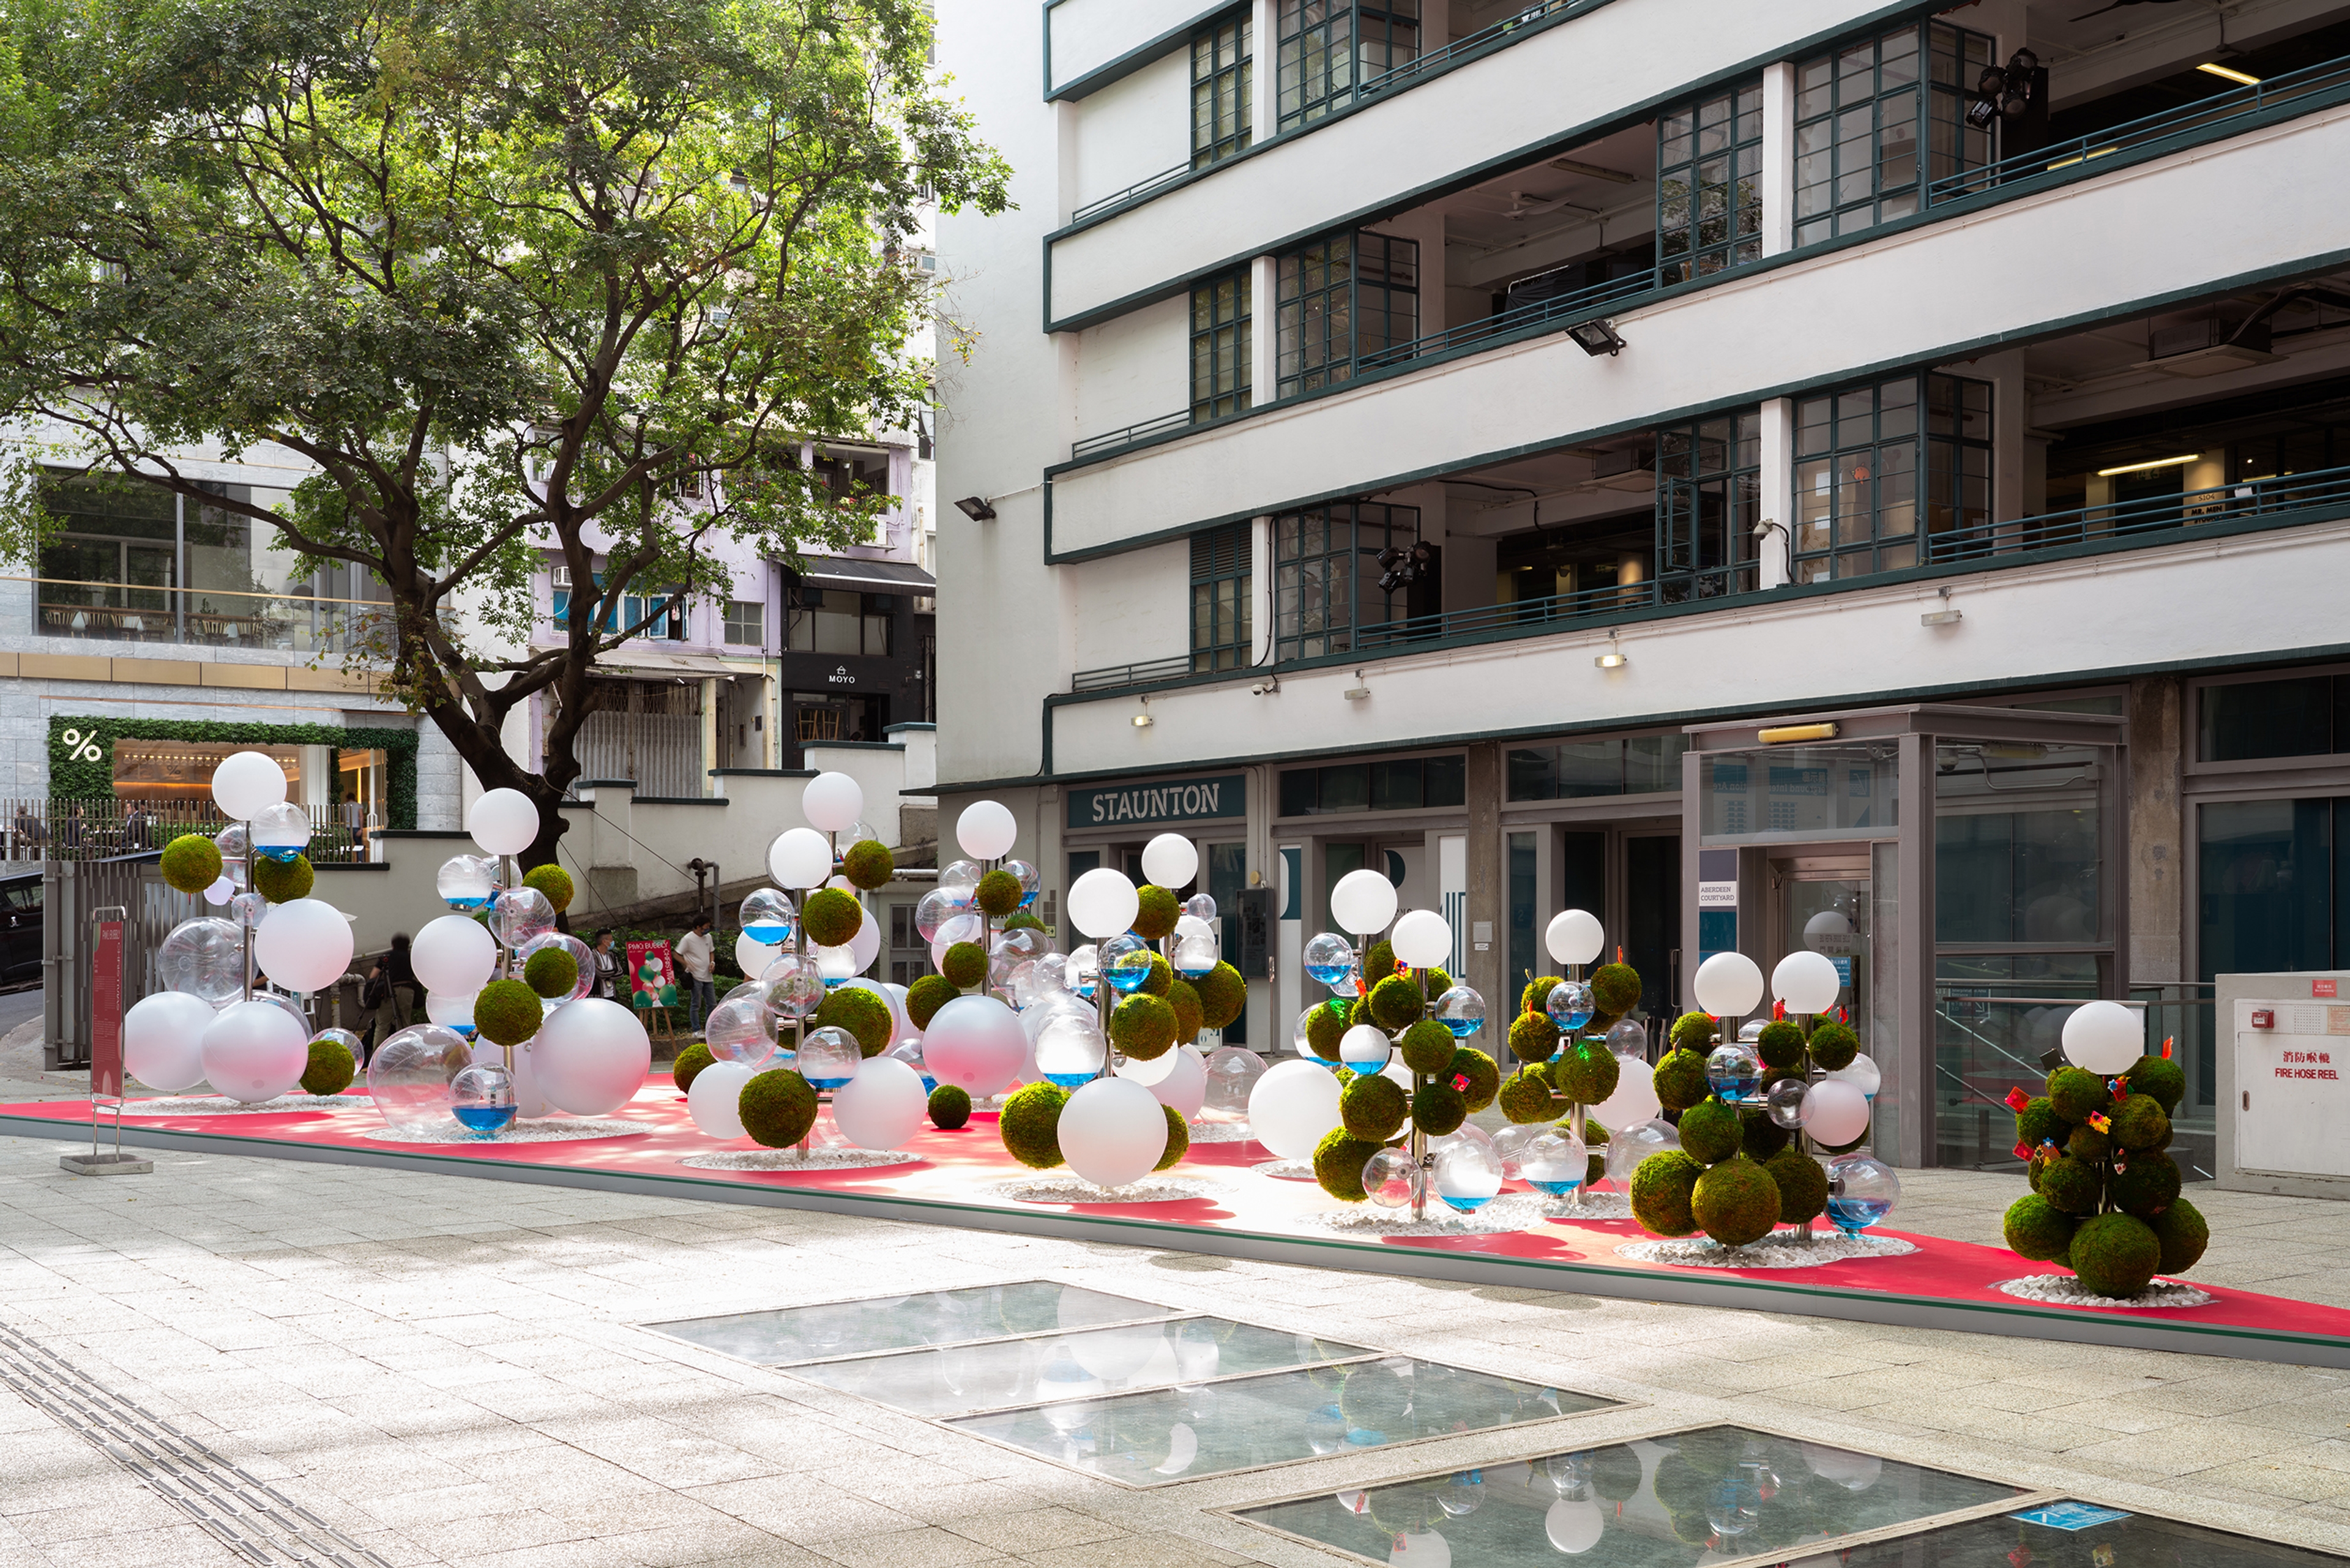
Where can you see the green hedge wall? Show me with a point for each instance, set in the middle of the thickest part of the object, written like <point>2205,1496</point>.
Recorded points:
<point>73,777</point>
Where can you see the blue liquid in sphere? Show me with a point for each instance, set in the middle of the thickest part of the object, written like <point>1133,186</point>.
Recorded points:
<point>1854,1215</point>
<point>1330,973</point>
<point>825,1082</point>
<point>480,903</point>
<point>1466,1205</point>
<point>1129,977</point>
<point>769,932</point>
<point>929,1084</point>
<point>1555,1188</point>
<point>1462,1027</point>
<point>279,851</point>
<point>485,1120</point>
<point>1070,1080</point>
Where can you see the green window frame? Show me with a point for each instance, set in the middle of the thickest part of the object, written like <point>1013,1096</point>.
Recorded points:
<point>1345,789</point>
<point>1337,299</point>
<point>1709,498</point>
<point>1221,605</point>
<point>1222,75</point>
<point>1886,470</point>
<point>1863,112</point>
<point>1330,49</point>
<point>1326,575</point>
<point>1710,184</point>
<point>1222,345</point>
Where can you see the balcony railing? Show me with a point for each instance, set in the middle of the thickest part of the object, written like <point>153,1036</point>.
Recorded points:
<point>2281,498</point>
<point>1563,311</point>
<point>1119,675</point>
<point>205,617</point>
<point>1504,31</point>
<point>1133,192</point>
<point>1110,441</point>
<point>2326,76</point>
<point>38,828</point>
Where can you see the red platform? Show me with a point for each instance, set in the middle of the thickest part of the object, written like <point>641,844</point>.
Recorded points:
<point>1944,1284</point>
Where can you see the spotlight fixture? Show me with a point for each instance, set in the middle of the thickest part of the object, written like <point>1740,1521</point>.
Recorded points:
<point>2151,464</point>
<point>1143,721</point>
<point>976,508</point>
<point>2228,73</point>
<point>1946,616</point>
<point>1595,336</point>
<point>1614,658</point>
<point>2004,93</point>
<point>1357,692</point>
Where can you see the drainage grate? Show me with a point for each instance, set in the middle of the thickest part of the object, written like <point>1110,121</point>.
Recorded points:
<point>250,1517</point>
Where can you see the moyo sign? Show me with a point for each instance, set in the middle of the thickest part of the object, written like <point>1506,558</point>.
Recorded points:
<point>1179,800</point>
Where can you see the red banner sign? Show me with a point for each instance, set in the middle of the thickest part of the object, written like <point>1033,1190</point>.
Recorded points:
<point>653,975</point>
<point>105,1013</point>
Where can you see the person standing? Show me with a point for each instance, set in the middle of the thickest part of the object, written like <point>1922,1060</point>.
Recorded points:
<point>608,967</point>
<point>386,994</point>
<point>404,986</point>
<point>697,955</point>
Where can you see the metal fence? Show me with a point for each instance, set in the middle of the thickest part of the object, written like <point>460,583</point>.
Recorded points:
<point>38,828</point>
<point>72,893</point>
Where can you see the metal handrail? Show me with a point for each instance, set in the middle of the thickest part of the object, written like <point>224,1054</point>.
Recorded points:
<point>1139,188</point>
<point>2324,490</point>
<point>1144,430</point>
<point>1565,310</point>
<point>2134,133</point>
<point>217,593</point>
<point>1485,36</point>
<point>1131,674</point>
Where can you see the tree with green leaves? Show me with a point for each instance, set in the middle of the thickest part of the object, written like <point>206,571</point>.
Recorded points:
<point>511,279</point>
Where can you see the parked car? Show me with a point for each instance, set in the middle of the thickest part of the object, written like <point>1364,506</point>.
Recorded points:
<point>20,928</point>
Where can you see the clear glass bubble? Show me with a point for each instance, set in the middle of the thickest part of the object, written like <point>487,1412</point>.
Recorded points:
<point>204,958</point>
<point>247,908</point>
<point>1861,1191</point>
<point>1329,958</point>
<point>1070,1049</point>
<point>1195,956</point>
<point>1569,1004</point>
<point>1347,985</point>
<point>909,1052</point>
<point>960,875</point>
<point>1084,969</point>
<point>1463,1494</point>
<point>518,914</point>
<point>936,908</point>
<point>1461,1011</point>
<point>1392,1178</point>
<point>1628,1039</point>
<point>1751,1030</point>
<point>1734,1505</point>
<point>466,881</point>
<point>1467,1176</point>
<point>1628,1147</point>
<point>861,832</point>
<point>828,1057</point>
<point>281,832</point>
<point>409,1074</point>
<point>582,961</point>
<point>1862,1073</point>
<point>1783,1103</point>
<point>1511,1143</point>
<point>235,873</point>
<point>1013,951</point>
<point>749,988</point>
<point>1032,881</point>
<point>793,985</point>
<point>1050,973</point>
<point>741,1032</point>
<point>1127,961</point>
<point>767,916</point>
<point>963,927</point>
<point>481,1098</point>
<point>231,841</point>
<point>344,1038</point>
<point>1233,1073</point>
<point>1556,1162</point>
<point>1734,1071</point>
<point>1201,906</point>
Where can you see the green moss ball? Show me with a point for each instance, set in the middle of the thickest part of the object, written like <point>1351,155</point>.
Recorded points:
<point>1143,1026</point>
<point>690,1061</point>
<point>1533,1037</point>
<point>2183,1235</point>
<point>1680,1080</point>
<point>1359,1010</point>
<point>1325,1027</point>
<point>1710,1131</point>
<point>1438,1109</point>
<point>1156,913</point>
<point>1029,1125</point>
<point>2036,1229</point>
<point>1616,988</point>
<point>1379,961</point>
<point>2088,1145</point>
<point>1161,976</point>
<point>831,916</point>
<point>1178,1141</point>
<point>2077,1096</point>
<point>964,965</point>
<point>191,863</point>
<point>998,894</point>
<point>2147,1186</point>
<point>869,863</point>
<point>283,881</point>
<point>1693,1032</point>
<point>506,1012</point>
<point>1802,1184</point>
<point>1373,1106</point>
<point>555,882</point>
<point>2038,1123</point>
<point>1475,1075</point>
<point>1189,1013</point>
<point>2116,1254</point>
<point>1525,1096</point>
<point>1025,921</point>
<point>1338,1161</point>
<point>1662,1190</point>
<point>926,996</point>
<point>1587,1074</point>
<point>777,1107</point>
<point>1535,997</point>
<point>950,1108</point>
<point>1427,1048</point>
<point>1396,1002</point>
<point>2137,1122</point>
<point>1735,1202</point>
<point>2072,1185</point>
<point>331,1069</point>
<point>1834,1045</point>
<point>2160,1080</point>
<point>1781,1044</point>
<point>1759,1136</point>
<point>551,972</point>
<point>1439,982</point>
<point>1616,1473</point>
<point>862,1013</point>
<point>1222,995</point>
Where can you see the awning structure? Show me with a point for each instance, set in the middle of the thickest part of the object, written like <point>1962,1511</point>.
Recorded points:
<point>649,662</point>
<point>868,576</point>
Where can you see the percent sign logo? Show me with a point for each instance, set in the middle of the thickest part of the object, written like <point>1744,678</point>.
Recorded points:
<point>83,748</point>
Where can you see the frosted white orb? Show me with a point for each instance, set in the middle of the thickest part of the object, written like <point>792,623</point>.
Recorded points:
<point>882,1106</point>
<point>1634,1100</point>
<point>245,782</point>
<point>1835,1112</point>
<point>1421,1548</point>
<point>1292,1105</point>
<point>986,830</point>
<point>449,1011</point>
<point>304,945</point>
<point>831,800</point>
<point>976,1043</point>
<point>453,955</point>
<point>591,1057</point>
<point>253,1051</point>
<point>753,956</point>
<point>1150,1074</point>
<point>715,1099</point>
<point>530,1100</point>
<point>504,822</point>
<point>1184,1089</point>
<point>1827,923</point>
<point>1421,939</point>
<point>2104,1038</point>
<point>1806,981</point>
<point>1364,902</point>
<point>1573,1527</point>
<point>865,946</point>
<point>408,1075</point>
<point>1171,860</point>
<point>1112,1132</point>
<point>1103,903</point>
<point>799,858</point>
<point>162,1040</point>
<point>1573,936</point>
<point>1728,985</point>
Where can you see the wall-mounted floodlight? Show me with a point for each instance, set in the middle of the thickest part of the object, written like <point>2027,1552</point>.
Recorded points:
<point>1595,338</point>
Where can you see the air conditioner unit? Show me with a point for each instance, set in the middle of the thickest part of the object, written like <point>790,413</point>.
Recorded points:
<point>1625,469</point>
<point>559,575</point>
<point>2202,348</point>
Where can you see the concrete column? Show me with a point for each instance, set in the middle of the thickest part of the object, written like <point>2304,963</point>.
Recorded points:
<point>1263,603</point>
<point>1489,890</point>
<point>2010,400</point>
<point>709,729</point>
<point>1778,158</point>
<point>1777,488</point>
<point>2155,866</point>
<point>1263,342</point>
<point>1264,70</point>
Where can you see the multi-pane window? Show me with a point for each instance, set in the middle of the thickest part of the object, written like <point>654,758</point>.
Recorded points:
<point>1330,49</point>
<point>1709,184</point>
<point>1221,346</point>
<point>1220,76</point>
<point>1343,298</point>
<point>1220,598</point>
<point>559,609</point>
<point>657,613</point>
<point>746,623</point>
<point>1876,119</point>
<point>1326,575</point>
<point>837,620</point>
<point>1886,472</point>
<point>1709,497</point>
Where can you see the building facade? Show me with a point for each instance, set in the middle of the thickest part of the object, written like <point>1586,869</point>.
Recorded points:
<point>1834,473</point>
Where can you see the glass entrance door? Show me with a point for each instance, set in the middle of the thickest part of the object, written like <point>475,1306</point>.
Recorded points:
<point>1821,903</point>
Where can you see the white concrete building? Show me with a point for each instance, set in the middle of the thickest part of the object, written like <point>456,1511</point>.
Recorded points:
<point>1448,436</point>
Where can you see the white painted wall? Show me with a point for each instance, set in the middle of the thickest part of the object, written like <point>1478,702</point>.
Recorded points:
<point>1134,128</point>
<point>1087,34</point>
<point>1132,607</point>
<point>1134,368</point>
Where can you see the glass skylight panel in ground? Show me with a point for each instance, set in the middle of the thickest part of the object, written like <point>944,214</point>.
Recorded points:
<point>1059,1369</point>
<point>2067,1533</point>
<point>1212,1429</point>
<point>836,1329</point>
<point>1712,1495</point>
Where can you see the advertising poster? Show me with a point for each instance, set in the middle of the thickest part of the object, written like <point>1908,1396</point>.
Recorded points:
<point>653,975</point>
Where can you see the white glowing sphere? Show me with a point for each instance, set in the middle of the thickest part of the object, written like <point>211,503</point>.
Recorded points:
<point>2105,1038</point>
<point>1575,936</point>
<point>1835,1112</point>
<point>254,1050</point>
<point>883,1107</point>
<point>986,830</point>
<point>1423,939</point>
<point>1364,902</point>
<point>831,800</point>
<point>1103,903</point>
<point>449,1011</point>
<point>502,822</point>
<point>1573,1527</point>
<point>1184,1087</point>
<point>976,1043</point>
<point>1806,981</point>
<point>162,1040</point>
<point>1634,1100</point>
<point>753,956</point>
<point>453,955</point>
<point>1728,985</point>
<point>1292,1105</point>
<point>1112,1132</point>
<point>304,945</point>
<point>591,1057</point>
<point>799,858</point>
<point>1171,860</point>
<point>1827,923</point>
<point>715,1099</point>
<point>244,782</point>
